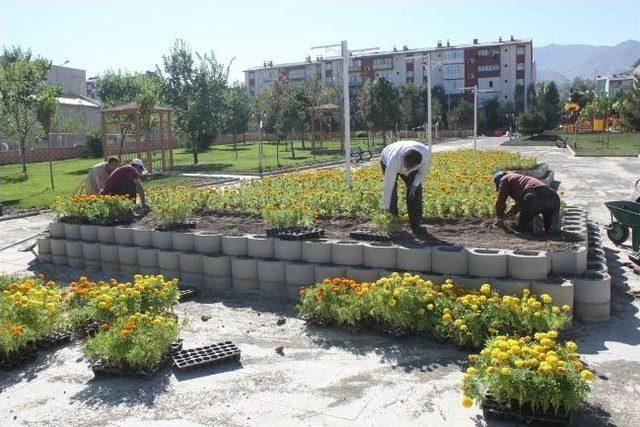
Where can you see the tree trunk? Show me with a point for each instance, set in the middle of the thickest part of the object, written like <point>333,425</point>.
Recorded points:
<point>194,149</point>
<point>235,146</point>
<point>302,139</point>
<point>384,138</point>
<point>293,152</point>
<point>23,155</point>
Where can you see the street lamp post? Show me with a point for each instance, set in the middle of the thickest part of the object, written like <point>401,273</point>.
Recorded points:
<point>475,91</point>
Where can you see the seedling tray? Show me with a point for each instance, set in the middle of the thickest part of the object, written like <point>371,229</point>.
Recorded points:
<point>187,293</point>
<point>22,357</point>
<point>102,369</point>
<point>201,357</point>
<point>635,257</point>
<point>369,234</point>
<point>524,414</point>
<point>54,339</point>
<point>177,226</point>
<point>295,233</point>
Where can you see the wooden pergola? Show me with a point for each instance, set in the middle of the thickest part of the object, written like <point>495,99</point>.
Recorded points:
<point>317,117</point>
<point>157,149</point>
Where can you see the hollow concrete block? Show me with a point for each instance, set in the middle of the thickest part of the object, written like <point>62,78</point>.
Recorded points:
<point>486,262</point>
<point>141,237</point>
<point>184,242</point>
<point>244,268</point>
<point>75,262</point>
<point>592,287</point>
<point>287,250</point>
<point>123,236</point>
<point>74,248</point>
<point>105,234</point>
<point>259,246</point>
<point>505,286</point>
<point>88,233</point>
<point>56,229</point>
<point>380,255</point>
<point>162,240</point>
<point>413,258</point>
<point>147,257</point>
<point>347,252</point>
<point>58,247</point>
<point>191,263</point>
<point>169,260</point>
<point>128,255</point>
<point>592,312</point>
<point>207,243</point>
<point>561,291</point>
<point>317,251</point>
<point>234,245</point>
<point>361,273</point>
<point>91,251</point>
<point>529,265</point>
<point>449,260</point>
<point>299,273</point>
<point>43,243</point>
<point>72,231</point>
<point>216,266</point>
<point>328,271</point>
<point>271,270</point>
<point>569,262</point>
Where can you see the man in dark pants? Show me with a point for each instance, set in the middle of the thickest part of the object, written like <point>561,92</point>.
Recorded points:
<point>410,161</point>
<point>532,198</point>
<point>125,181</point>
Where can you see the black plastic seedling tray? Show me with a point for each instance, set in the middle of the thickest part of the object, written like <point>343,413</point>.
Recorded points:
<point>635,257</point>
<point>24,356</point>
<point>54,339</point>
<point>187,293</point>
<point>211,355</point>
<point>100,369</point>
<point>524,414</point>
<point>295,233</point>
<point>369,234</point>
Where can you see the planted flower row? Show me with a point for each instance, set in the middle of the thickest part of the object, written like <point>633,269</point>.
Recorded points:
<point>521,359</point>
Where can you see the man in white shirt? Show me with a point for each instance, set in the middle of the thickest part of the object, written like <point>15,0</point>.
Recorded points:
<point>410,160</point>
<point>98,174</point>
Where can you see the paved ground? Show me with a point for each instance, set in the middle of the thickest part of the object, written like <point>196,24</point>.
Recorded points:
<point>326,376</point>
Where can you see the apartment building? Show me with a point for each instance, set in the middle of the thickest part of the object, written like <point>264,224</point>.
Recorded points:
<point>615,83</point>
<point>498,67</point>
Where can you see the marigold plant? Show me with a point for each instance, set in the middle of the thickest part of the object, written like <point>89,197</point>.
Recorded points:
<point>536,370</point>
<point>91,208</point>
<point>29,309</point>
<point>140,340</point>
<point>172,205</point>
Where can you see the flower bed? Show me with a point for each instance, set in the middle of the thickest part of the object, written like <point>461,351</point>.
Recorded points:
<point>447,312</point>
<point>93,209</point>
<point>29,310</point>
<point>532,377</point>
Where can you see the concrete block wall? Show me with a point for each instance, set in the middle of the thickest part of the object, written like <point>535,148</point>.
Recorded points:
<point>256,263</point>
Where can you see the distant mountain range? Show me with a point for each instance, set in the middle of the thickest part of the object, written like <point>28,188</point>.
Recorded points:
<point>564,62</point>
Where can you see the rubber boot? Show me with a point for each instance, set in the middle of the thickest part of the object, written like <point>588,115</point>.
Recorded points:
<point>538,226</point>
<point>554,227</point>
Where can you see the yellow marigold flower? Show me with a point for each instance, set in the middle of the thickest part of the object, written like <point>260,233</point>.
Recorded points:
<point>505,371</point>
<point>566,307</point>
<point>421,311</point>
<point>571,346</point>
<point>467,402</point>
<point>16,330</point>
<point>546,298</point>
<point>471,370</point>
<point>586,375</point>
<point>555,309</point>
<point>446,318</point>
<point>552,334</point>
<point>392,302</point>
<point>429,306</point>
<point>485,289</point>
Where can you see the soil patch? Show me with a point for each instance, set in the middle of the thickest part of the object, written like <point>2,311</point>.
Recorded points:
<point>462,232</point>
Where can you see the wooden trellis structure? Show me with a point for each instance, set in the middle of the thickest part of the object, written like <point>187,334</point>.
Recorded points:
<point>317,118</point>
<point>154,148</point>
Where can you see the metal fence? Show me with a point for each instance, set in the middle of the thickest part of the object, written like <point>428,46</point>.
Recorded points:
<point>58,140</point>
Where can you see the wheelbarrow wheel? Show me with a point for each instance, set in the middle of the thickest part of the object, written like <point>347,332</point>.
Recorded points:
<point>617,233</point>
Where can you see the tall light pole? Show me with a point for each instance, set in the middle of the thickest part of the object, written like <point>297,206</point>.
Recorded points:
<point>426,67</point>
<point>346,112</point>
<point>475,110</point>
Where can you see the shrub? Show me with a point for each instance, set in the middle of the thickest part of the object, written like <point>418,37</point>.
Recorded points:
<point>172,205</point>
<point>531,122</point>
<point>386,222</point>
<point>93,142</point>
<point>535,370</point>
<point>138,341</point>
<point>294,215</point>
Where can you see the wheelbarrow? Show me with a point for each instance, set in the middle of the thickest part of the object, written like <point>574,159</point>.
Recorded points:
<point>625,215</point>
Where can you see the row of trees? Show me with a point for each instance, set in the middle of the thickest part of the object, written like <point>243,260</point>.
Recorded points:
<point>28,105</point>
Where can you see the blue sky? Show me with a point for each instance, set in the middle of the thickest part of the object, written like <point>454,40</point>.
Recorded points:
<point>134,34</point>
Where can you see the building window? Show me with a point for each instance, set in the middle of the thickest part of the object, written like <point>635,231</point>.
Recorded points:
<point>453,55</point>
<point>487,68</point>
<point>483,52</point>
<point>409,74</point>
<point>328,66</point>
<point>453,71</point>
<point>453,86</point>
<point>506,81</point>
<point>471,76</point>
<point>493,53</point>
<point>519,82</point>
<point>355,64</point>
<point>471,60</point>
<point>519,66</point>
<point>520,50</point>
<point>490,84</point>
<point>379,63</point>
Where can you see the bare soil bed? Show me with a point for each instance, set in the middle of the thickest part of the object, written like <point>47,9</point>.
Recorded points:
<point>462,232</point>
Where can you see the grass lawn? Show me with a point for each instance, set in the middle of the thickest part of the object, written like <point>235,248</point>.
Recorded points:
<point>15,191</point>
<point>608,144</point>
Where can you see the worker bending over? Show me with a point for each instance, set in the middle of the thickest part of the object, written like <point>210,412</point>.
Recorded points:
<point>125,181</point>
<point>98,175</point>
<point>410,160</point>
<point>532,198</point>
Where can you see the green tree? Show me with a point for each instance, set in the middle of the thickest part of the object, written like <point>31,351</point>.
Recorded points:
<point>532,96</point>
<point>378,105</point>
<point>531,122</point>
<point>238,111</point>
<point>46,109</point>
<point>492,113</point>
<point>581,91</point>
<point>22,81</point>
<point>630,107</point>
<point>195,86</point>
<point>461,116</point>
<point>413,106</point>
<point>550,105</point>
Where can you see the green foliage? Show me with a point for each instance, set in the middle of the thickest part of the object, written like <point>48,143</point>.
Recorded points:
<point>531,121</point>
<point>297,215</point>
<point>550,105</point>
<point>195,86</point>
<point>630,108</point>
<point>138,341</point>
<point>238,109</point>
<point>94,142</point>
<point>461,116</point>
<point>492,113</point>
<point>22,82</point>
<point>47,106</point>
<point>386,222</point>
<point>581,91</point>
<point>378,104</point>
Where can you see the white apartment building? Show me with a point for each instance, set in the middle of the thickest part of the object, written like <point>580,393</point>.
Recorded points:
<point>499,67</point>
<point>615,83</point>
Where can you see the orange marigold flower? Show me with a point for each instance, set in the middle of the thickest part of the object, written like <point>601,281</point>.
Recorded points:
<point>104,327</point>
<point>125,332</point>
<point>16,330</point>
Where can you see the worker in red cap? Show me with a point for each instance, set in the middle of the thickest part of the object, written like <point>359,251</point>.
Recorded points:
<point>125,181</point>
